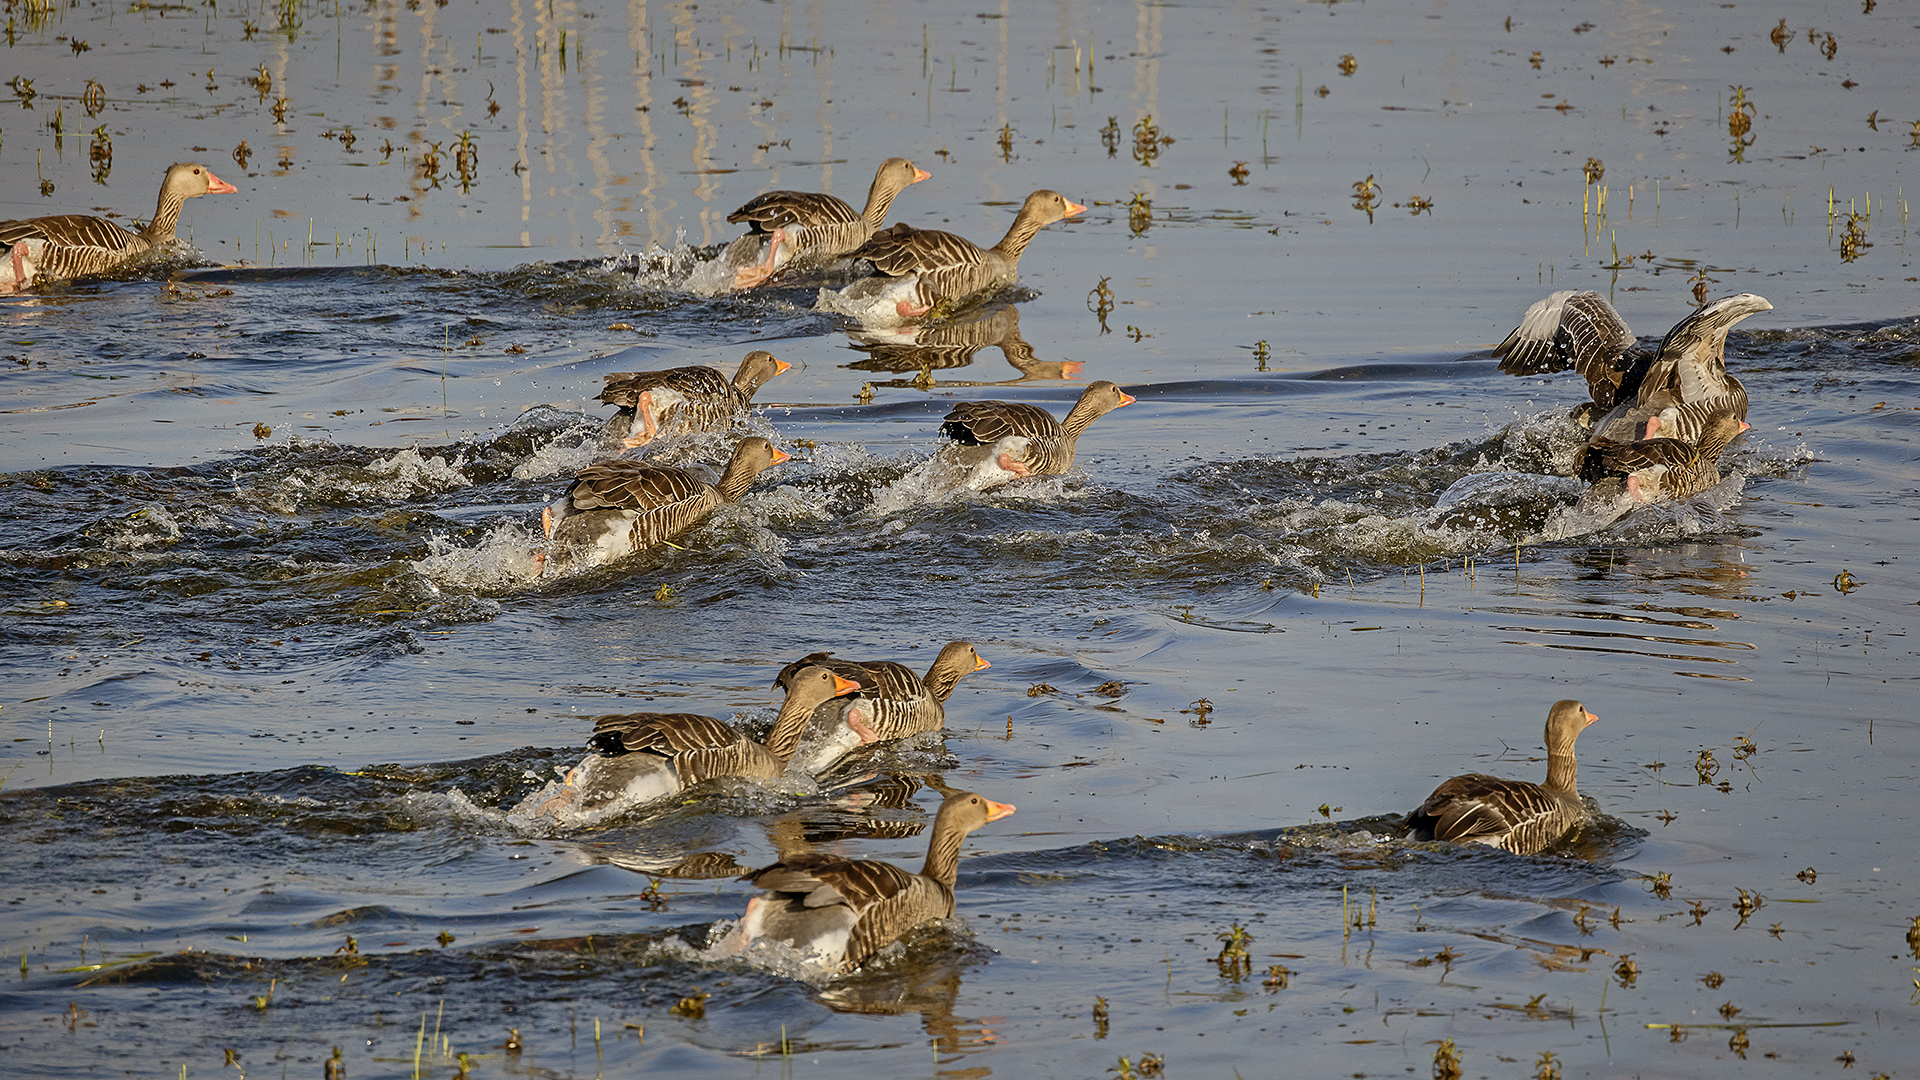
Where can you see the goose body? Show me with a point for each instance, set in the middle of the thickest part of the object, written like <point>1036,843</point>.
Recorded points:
<point>1685,378</point>
<point>642,757</point>
<point>1514,815</point>
<point>1661,467</point>
<point>616,508</point>
<point>809,227</point>
<point>917,269</point>
<point>842,911</point>
<point>684,398</point>
<point>893,702</point>
<point>978,429</point>
<point>75,245</point>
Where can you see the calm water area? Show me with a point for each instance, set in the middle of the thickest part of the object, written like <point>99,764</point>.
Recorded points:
<point>274,675</point>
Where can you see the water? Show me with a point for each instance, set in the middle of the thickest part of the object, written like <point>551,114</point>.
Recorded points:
<point>275,671</point>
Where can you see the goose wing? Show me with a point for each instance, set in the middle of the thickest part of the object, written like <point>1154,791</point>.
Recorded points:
<point>664,734</point>
<point>781,209</point>
<point>904,250</point>
<point>71,231</point>
<point>631,485</point>
<point>1568,329</point>
<point>982,423</point>
<point>823,880</point>
<point>623,389</point>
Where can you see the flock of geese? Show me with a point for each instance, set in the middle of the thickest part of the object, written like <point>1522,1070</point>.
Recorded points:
<point>1658,423</point>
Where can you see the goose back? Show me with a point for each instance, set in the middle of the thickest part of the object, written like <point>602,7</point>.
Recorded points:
<point>1514,815</point>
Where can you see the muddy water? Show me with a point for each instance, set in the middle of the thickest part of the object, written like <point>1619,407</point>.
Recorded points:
<point>276,678</point>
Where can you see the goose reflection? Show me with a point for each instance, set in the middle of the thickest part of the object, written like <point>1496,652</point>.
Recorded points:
<point>926,349</point>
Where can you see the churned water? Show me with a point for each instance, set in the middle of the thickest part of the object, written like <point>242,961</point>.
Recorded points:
<point>281,681</point>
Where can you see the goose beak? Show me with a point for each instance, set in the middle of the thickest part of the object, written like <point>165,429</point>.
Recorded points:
<point>781,367</point>
<point>980,663</point>
<point>844,686</point>
<point>920,174</point>
<point>1070,368</point>
<point>1126,399</point>
<point>217,186</point>
<point>780,455</point>
<point>1591,718</point>
<point>997,810</point>
<point>1072,209</point>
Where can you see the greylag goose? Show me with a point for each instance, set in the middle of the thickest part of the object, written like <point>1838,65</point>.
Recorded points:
<point>685,398</point>
<point>893,702</point>
<point>74,245</point>
<point>1658,467</point>
<point>805,227</point>
<point>919,269</point>
<point>1686,377</point>
<point>616,508</point>
<point>987,430</point>
<point>640,757</point>
<point>1513,815</point>
<point>842,911</point>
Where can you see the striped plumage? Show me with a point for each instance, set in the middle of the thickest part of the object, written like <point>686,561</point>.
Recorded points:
<point>1661,467</point>
<point>804,228</point>
<point>945,345</point>
<point>616,508</point>
<point>842,911</point>
<point>977,428</point>
<point>1687,373</point>
<point>1513,815</point>
<point>934,267</point>
<point>684,398</point>
<point>640,757</point>
<point>893,702</point>
<point>75,245</point>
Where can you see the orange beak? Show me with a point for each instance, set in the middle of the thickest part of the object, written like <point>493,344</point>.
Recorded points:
<point>980,663</point>
<point>920,174</point>
<point>843,686</point>
<point>781,367</point>
<point>1126,399</point>
<point>1070,368</point>
<point>217,186</point>
<point>1591,718</point>
<point>1072,209</point>
<point>780,455</point>
<point>997,810</point>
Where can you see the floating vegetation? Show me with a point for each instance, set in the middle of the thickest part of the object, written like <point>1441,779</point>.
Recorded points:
<point>1366,196</point>
<point>1110,136</point>
<point>1148,141</point>
<point>1234,961</point>
<point>1781,35</point>
<point>1139,214</point>
<point>1446,1061</point>
<point>100,154</point>
<point>1348,65</point>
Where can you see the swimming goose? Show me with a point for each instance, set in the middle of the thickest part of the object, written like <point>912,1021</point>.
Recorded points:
<point>1686,374</point>
<point>978,428</point>
<point>74,245</point>
<point>640,757</point>
<point>1660,467</point>
<point>807,227</point>
<point>616,508</point>
<point>1513,815</point>
<point>843,911</point>
<point>893,702</point>
<point>687,398</point>
<point>921,268</point>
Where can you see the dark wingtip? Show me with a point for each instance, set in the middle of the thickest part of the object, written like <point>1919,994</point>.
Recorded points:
<point>609,743</point>
<point>959,432</point>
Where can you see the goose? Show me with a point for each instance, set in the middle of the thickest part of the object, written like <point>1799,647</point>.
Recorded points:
<point>1513,815</point>
<point>21,265</point>
<point>978,429</point>
<point>842,911</point>
<point>641,757</point>
<point>75,245</point>
<point>893,702</point>
<point>1659,467</point>
<point>616,508</point>
<point>806,227</point>
<point>919,269</point>
<point>1687,374</point>
<point>687,398</point>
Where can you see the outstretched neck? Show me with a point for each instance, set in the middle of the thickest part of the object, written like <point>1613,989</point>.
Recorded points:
<point>1083,413</point>
<point>1561,769</point>
<point>736,480</point>
<point>784,739</point>
<point>1019,233</point>
<point>941,679</point>
<point>879,198</point>
<point>165,216</point>
<point>943,852</point>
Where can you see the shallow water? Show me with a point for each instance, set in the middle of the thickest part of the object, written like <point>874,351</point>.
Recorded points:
<point>275,671</point>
